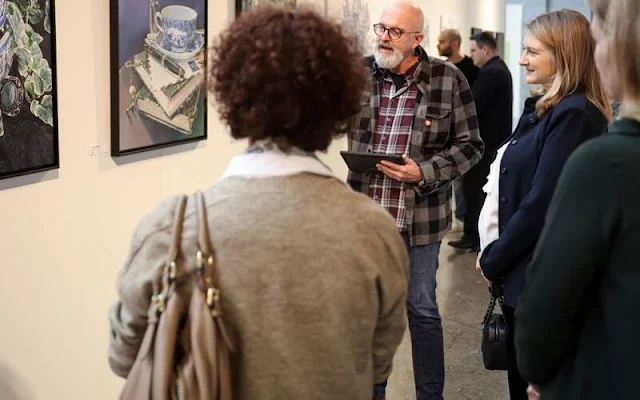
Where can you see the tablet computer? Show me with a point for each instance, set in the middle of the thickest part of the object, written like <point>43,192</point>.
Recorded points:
<point>366,162</point>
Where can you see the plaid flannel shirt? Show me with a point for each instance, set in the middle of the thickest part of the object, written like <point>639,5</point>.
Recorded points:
<point>445,142</point>
<point>395,117</point>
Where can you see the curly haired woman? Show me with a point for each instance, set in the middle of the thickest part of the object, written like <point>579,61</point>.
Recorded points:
<point>313,276</point>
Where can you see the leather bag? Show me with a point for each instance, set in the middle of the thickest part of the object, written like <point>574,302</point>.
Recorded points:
<point>185,350</point>
<point>495,334</point>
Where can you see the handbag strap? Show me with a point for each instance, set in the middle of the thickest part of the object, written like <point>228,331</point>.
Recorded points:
<point>206,256</point>
<point>178,219</point>
<point>492,305</point>
<point>206,262</point>
<point>162,285</point>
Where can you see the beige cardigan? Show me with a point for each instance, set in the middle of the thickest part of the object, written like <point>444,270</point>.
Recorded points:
<point>314,282</point>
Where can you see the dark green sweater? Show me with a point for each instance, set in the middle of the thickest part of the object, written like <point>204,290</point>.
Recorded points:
<point>578,323</point>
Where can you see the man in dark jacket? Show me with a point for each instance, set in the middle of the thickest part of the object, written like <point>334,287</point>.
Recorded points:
<point>449,42</point>
<point>493,95</point>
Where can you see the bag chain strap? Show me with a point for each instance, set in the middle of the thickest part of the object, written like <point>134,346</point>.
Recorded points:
<point>492,305</point>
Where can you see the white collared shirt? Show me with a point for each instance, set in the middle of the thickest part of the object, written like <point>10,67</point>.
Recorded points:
<point>489,220</point>
<point>271,161</point>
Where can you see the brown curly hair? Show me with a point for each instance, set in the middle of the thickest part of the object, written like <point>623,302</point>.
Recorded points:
<point>288,74</point>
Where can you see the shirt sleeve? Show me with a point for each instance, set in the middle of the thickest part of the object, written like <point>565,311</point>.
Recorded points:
<point>466,146</point>
<point>573,246</point>
<point>566,131</point>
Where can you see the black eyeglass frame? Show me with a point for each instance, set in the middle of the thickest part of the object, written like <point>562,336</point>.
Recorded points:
<point>397,31</point>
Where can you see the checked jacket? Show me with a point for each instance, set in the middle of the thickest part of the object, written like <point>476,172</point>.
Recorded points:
<point>444,141</point>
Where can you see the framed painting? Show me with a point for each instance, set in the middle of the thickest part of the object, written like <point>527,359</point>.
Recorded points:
<point>243,5</point>
<point>158,67</point>
<point>28,87</point>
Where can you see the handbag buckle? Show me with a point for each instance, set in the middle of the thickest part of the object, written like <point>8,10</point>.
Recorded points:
<point>171,269</point>
<point>160,301</point>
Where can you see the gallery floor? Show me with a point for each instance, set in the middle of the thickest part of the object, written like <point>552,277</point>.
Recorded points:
<point>463,298</point>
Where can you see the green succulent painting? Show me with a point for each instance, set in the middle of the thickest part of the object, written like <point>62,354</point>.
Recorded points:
<point>33,68</point>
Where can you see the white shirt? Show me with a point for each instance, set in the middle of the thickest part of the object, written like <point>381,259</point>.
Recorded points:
<point>270,161</point>
<point>488,221</point>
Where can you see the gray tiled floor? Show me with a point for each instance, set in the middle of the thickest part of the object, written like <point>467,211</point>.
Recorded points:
<point>462,298</point>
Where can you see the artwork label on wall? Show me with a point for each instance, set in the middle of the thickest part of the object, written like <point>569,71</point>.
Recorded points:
<point>28,87</point>
<point>158,66</point>
<point>243,5</point>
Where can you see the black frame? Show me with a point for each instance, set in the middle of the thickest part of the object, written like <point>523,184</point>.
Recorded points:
<point>115,86</point>
<point>54,93</point>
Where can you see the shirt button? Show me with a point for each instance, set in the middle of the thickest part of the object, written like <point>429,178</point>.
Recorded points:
<point>503,200</point>
<point>504,170</point>
<point>514,141</point>
<point>388,119</point>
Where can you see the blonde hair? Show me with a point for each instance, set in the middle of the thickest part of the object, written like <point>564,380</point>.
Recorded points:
<point>566,33</point>
<point>621,28</point>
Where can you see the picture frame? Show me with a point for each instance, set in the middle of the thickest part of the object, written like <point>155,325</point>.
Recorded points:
<point>243,5</point>
<point>158,68</point>
<point>28,90</point>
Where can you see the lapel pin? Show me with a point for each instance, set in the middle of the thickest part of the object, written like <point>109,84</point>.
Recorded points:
<point>427,122</point>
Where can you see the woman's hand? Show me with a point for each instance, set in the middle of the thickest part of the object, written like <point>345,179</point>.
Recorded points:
<point>533,392</point>
<point>480,269</point>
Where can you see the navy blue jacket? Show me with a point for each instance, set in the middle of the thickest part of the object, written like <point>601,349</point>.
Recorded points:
<point>529,171</point>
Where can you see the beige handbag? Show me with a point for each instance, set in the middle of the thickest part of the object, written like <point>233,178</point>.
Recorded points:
<point>185,350</point>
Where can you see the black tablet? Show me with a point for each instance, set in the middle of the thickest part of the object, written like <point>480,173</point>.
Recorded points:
<point>366,162</point>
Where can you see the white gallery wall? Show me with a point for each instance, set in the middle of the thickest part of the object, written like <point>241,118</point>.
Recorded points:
<point>64,234</point>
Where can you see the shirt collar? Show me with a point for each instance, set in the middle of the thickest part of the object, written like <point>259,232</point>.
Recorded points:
<point>265,159</point>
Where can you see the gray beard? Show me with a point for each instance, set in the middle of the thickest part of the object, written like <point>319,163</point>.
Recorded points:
<point>388,62</point>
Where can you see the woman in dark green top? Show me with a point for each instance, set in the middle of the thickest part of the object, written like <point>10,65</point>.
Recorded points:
<point>577,330</point>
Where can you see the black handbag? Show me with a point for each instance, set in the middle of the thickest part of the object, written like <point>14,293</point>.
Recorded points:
<point>495,334</point>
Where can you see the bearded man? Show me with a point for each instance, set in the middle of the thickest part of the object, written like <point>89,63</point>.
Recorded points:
<point>421,108</point>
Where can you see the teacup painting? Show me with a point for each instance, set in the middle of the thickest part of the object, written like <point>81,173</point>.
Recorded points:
<point>178,24</point>
<point>157,95</point>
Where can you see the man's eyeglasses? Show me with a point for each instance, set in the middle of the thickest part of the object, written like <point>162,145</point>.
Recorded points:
<point>394,33</point>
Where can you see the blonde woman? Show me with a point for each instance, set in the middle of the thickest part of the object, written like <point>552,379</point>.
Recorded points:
<point>578,324</point>
<point>569,108</point>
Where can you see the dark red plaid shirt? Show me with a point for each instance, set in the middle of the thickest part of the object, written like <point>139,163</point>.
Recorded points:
<point>393,130</point>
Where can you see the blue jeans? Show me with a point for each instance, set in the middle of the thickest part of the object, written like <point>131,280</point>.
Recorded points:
<point>458,193</point>
<point>425,326</point>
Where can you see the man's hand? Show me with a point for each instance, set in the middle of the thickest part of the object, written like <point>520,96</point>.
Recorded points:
<point>409,172</point>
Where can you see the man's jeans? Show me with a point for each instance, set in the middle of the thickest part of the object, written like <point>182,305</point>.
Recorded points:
<point>461,205</point>
<point>424,321</point>
<point>427,345</point>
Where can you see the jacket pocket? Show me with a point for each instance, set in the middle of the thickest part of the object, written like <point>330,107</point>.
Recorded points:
<point>436,131</point>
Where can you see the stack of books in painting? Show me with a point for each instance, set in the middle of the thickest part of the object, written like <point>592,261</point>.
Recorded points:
<point>170,93</point>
